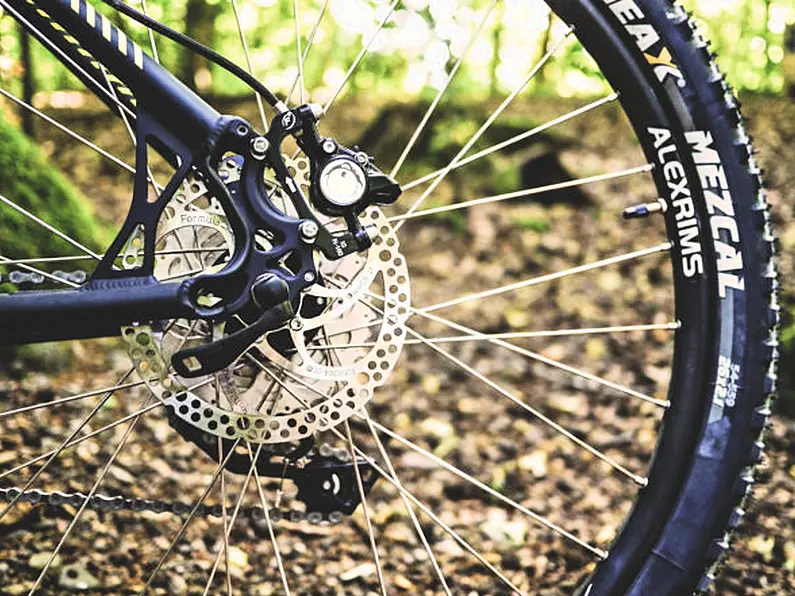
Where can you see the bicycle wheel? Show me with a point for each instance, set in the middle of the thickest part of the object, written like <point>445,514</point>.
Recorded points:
<point>513,390</point>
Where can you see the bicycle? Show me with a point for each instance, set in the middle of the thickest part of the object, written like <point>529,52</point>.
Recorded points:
<point>228,283</point>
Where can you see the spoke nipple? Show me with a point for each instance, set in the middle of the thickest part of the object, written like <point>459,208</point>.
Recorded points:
<point>645,209</point>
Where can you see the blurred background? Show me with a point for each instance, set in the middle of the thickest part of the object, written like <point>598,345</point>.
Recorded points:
<point>409,62</point>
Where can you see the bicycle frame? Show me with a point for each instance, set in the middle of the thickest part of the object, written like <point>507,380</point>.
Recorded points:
<point>179,125</point>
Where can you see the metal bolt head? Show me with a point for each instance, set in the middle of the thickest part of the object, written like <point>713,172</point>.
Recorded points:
<point>329,146</point>
<point>259,147</point>
<point>309,277</point>
<point>362,157</point>
<point>296,324</point>
<point>308,230</point>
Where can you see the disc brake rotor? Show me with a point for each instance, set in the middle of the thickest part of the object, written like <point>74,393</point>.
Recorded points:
<point>309,375</point>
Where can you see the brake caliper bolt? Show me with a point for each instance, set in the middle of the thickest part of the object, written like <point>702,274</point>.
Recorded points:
<point>362,157</point>
<point>308,230</point>
<point>329,146</point>
<point>259,147</point>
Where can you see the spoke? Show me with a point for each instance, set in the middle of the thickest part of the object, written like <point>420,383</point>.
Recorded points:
<point>477,336</point>
<point>63,445</point>
<point>50,228</point>
<point>664,247</point>
<point>68,399</point>
<point>235,512</point>
<point>155,54</point>
<point>494,493</point>
<point>190,517</point>
<point>361,56</point>
<point>409,509</point>
<point>298,56</point>
<point>37,261</point>
<point>513,140</point>
<point>51,277</point>
<point>513,398</point>
<point>432,108</point>
<point>244,43</point>
<point>309,42</point>
<point>271,533</point>
<point>174,276</point>
<point>365,509</point>
<point>489,121</point>
<point>86,501</point>
<point>520,193</point>
<point>227,527</point>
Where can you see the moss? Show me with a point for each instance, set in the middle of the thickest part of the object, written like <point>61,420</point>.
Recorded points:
<point>32,183</point>
<point>534,224</point>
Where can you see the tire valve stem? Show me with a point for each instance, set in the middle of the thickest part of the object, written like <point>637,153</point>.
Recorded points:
<point>645,209</point>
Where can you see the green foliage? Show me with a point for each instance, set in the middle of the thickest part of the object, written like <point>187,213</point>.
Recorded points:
<point>33,184</point>
<point>416,49</point>
<point>748,36</point>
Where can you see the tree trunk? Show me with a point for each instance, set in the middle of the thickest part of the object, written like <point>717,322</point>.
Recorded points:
<point>200,25</point>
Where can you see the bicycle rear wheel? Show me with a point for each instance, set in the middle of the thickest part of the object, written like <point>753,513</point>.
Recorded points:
<point>561,400</point>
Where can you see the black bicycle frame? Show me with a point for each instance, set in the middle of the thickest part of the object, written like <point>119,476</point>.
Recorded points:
<point>172,119</point>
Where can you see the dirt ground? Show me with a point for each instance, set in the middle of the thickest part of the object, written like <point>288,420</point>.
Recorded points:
<point>431,400</point>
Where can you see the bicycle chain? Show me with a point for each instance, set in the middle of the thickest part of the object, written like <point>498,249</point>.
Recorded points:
<point>17,278</point>
<point>120,502</point>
